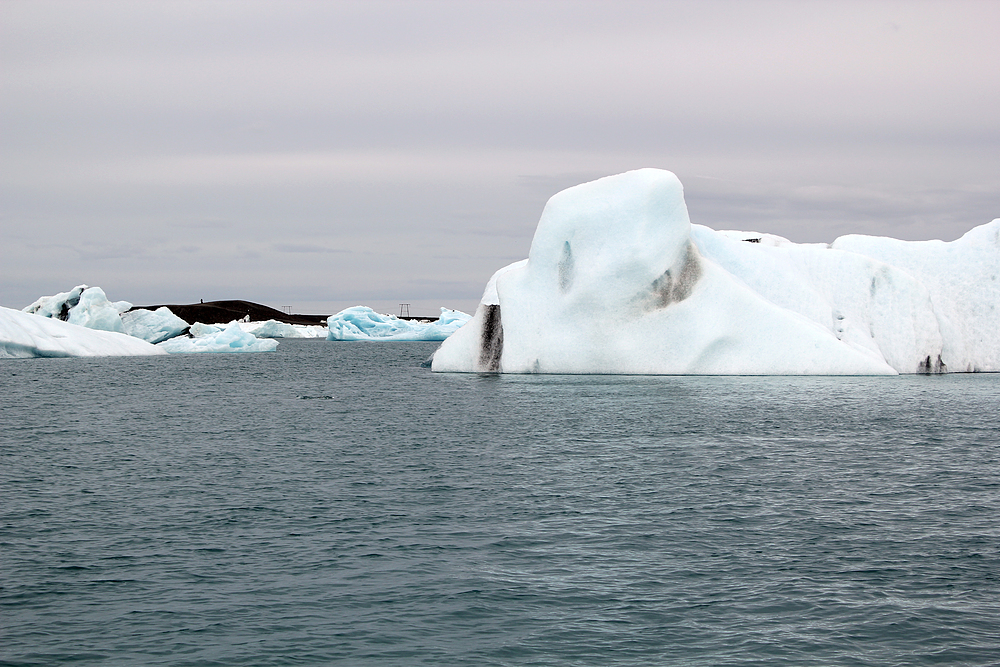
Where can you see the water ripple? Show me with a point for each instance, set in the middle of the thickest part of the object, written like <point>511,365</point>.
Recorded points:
<point>338,504</point>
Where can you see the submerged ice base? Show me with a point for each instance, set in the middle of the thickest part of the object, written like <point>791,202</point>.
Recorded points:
<point>617,280</point>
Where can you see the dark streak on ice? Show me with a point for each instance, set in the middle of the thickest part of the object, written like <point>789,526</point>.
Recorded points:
<point>667,289</point>
<point>67,304</point>
<point>491,343</point>
<point>566,268</point>
<point>927,367</point>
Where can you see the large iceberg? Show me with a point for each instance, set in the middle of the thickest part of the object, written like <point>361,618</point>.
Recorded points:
<point>363,323</point>
<point>617,280</point>
<point>208,338</point>
<point>85,306</point>
<point>25,335</point>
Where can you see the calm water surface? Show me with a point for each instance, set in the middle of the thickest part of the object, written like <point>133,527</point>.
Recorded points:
<point>334,503</point>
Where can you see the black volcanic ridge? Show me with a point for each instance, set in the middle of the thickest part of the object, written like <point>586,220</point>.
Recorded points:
<point>223,312</point>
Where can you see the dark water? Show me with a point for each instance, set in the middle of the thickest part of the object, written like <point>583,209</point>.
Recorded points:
<point>337,504</point>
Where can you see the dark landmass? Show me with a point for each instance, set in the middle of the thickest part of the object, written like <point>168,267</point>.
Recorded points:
<point>223,312</point>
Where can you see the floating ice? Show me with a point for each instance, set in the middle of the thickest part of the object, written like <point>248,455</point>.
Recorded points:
<point>363,323</point>
<point>199,330</point>
<point>209,338</point>
<point>89,307</point>
<point>153,326</point>
<point>276,329</point>
<point>85,306</point>
<point>617,280</point>
<point>25,335</point>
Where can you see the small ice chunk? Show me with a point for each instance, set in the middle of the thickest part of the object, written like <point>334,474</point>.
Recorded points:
<point>198,330</point>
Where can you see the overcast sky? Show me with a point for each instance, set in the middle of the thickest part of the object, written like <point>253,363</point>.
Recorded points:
<point>328,154</point>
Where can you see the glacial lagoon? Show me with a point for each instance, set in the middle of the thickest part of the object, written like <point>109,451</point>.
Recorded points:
<point>337,503</point>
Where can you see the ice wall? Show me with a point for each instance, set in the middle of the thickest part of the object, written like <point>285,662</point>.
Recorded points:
<point>961,280</point>
<point>617,280</point>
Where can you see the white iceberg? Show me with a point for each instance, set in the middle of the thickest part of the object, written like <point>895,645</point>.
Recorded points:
<point>25,335</point>
<point>276,329</point>
<point>961,280</point>
<point>617,280</point>
<point>153,326</point>
<point>208,338</point>
<point>199,330</point>
<point>89,307</point>
<point>363,323</point>
<point>85,306</point>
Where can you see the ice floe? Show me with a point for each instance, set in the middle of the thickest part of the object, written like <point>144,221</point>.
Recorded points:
<point>276,329</point>
<point>208,338</point>
<point>363,323</point>
<point>25,335</point>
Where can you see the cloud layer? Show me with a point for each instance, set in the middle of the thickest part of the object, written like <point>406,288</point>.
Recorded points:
<point>327,154</point>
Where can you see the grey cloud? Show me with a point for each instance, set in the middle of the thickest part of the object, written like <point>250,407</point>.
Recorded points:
<point>404,133</point>
<point>305,248</point>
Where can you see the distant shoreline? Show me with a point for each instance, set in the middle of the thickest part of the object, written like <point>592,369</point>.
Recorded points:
<point>223,312</point>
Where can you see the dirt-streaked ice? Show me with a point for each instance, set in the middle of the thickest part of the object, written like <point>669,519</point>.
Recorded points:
<point>617,280</point>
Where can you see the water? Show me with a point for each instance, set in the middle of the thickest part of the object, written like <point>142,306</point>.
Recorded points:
<point>337,504</point>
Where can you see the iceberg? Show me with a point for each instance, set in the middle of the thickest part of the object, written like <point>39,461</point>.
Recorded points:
<point>26,335</point>
<point>85,306</point>
<point>207,338</point>
<point>618,280</point>
<point>363,323</point>
<point>153,326</point>
<point>276,329</point>
<point>89,307</point>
